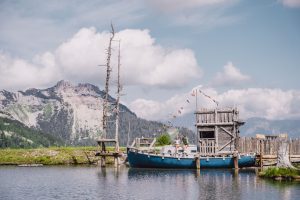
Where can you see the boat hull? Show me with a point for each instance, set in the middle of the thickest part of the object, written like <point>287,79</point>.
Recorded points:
<point>144,160</point>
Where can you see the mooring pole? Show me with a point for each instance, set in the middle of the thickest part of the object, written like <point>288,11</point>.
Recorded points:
<point>236,160</point>
<point>261,154</point>
<point>198,163</point>
<point>198,166</point>
<point>103,162</point>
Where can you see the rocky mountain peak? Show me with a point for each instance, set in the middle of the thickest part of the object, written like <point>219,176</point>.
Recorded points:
<point>63,84</point>
<point>86,89</point>
<point>71,112</point>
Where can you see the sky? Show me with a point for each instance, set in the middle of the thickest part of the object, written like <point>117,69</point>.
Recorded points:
<point>240,53</point>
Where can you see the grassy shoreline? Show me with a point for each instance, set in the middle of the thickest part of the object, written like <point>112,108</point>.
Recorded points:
<point>277,173</point>
<point>52,156</point>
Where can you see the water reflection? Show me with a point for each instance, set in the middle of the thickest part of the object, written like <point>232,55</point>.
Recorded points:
<point>123,183</point>
<point>137,173</point>
<point>204,184</point>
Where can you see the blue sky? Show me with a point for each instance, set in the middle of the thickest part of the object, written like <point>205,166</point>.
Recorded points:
<point>245,47</point>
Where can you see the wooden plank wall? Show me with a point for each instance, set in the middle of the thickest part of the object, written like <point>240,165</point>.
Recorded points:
<point>295,146</point>
<point>223,116</point>
<point>269,147</point>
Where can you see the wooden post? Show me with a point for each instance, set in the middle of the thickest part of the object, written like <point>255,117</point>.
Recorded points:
<point>235,160</point>
<point>261,154</point>
<point>216,132</point>
<point>116,161</point>
<point>290,149</point>
<point>198,162</point>
<point>236,163</point>
<point>103,149</point>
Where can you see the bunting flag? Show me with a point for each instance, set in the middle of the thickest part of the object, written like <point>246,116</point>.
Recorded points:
<point>180,110</point>
<point>193,93</point>
<point>216,102</point>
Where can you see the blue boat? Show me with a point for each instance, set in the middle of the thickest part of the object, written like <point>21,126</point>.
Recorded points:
<point>217,145</point>
<point>142,159</point>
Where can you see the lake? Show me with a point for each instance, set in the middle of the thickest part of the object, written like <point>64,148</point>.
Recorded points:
<point>66,182</point>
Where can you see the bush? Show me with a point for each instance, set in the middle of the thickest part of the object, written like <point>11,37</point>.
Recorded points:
<point>164,139</point>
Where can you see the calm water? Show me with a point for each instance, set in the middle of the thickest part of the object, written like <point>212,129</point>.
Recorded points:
<point>96,183</point>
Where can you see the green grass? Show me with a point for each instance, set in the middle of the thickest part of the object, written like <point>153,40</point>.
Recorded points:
<point>272,172</point>
<point>52,156</point>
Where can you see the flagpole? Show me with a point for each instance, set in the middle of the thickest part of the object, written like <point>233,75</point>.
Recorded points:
<point>196,100</point>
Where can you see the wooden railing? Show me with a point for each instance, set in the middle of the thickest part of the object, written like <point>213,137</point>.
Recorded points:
<point>207,147</point>
<point>143,142</point>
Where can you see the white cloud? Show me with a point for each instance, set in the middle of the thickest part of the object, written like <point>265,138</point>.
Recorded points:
<point>229,76</point>
<point>291,3</point>
<point>143,62</point>
<point>263,102</point>
<point>17,73</point>
<point>155,110</point>
<point>252,102</point>
<point>177,105</point>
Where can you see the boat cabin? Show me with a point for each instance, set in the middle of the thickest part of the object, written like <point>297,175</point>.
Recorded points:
<point>171,150</point>
<point>217,131</point>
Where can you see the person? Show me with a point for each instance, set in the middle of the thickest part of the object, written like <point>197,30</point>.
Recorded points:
<point>177,143</point>
<point>185,142</point>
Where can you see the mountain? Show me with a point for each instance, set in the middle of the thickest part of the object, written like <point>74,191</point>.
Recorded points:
<point>252,126</point>
<point>265,126</point>
<point>73,114</point>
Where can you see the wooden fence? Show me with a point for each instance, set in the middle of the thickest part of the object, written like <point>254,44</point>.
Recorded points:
<point>267,147</point>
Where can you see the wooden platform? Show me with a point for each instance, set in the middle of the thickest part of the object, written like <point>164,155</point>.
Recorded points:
<point>107,153</point>
<point>103,153</point>
<point>269,160</point>
<point>106,140</point>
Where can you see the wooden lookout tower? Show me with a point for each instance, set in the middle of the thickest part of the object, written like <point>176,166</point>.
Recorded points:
<point>218,131</point>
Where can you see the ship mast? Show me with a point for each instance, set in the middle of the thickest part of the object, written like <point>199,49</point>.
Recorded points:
<point>108,70</point>
<point>118,100</point>
<point>101,142</point>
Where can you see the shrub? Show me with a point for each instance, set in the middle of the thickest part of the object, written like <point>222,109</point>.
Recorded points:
<point>164,139</point>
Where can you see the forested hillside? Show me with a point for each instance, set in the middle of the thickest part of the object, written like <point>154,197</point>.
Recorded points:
<point>16,135</point>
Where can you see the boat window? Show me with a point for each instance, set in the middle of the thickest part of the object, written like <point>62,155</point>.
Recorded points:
<point>180,151</point>
<point>207,134</point>
<point>193,151</point>
<point>169,151</point>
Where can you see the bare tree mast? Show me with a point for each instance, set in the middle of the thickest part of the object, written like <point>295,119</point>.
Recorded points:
<point>108,70</point>
<point>118,99</point>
